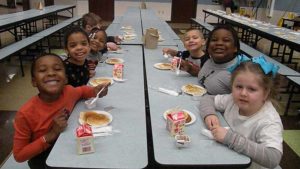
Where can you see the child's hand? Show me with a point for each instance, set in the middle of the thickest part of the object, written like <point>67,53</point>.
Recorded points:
<point>92,73</point>
<point>169,51</point>
<point>219,133</point>
<point>91,65</point>
<point>104,91</point>
<point>117,39</point>
<point>112,46</point>
<point>58,125</point>
<point>185,65</point>
<point>212,121</point>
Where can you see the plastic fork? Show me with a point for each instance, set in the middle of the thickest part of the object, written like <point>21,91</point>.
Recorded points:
<point>96,96</point>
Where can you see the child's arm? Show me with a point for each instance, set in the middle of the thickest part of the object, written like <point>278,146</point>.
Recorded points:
<point>190,67</point>
<point>59,124</point>
<point>207,111</point>
<point>24,147</point>
<point>268,157</point>
<point>92,73</point>
<point>112,46</point>
<point>101,86</point>
<point>170,51</point>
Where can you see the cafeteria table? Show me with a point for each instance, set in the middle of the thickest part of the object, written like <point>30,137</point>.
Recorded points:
<point>201,151</point>
<point>127,149</point>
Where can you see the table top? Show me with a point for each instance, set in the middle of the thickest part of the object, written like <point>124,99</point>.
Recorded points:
<point>295,79</point>
<point>131,18</point>
<point>140,20</point>
<point>12,19</point>
<point>127,149</point>
<point>266,30</point>
<point>150,20</point>
<point>202,151</point>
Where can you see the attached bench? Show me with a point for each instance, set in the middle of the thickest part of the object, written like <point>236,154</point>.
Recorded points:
<point>57,28</point>
<point>10,163</point>
<point>19,46</point>
<point>199,24</point>
<point>295,83</point>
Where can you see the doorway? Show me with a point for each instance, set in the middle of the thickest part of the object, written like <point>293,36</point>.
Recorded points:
<point>104,8</point>
<point>182,11</point>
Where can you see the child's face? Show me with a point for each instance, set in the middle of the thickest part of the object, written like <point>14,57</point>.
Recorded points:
<point>248,93</point>
<point>193,40</point>
<point>49,76</point>
<point>98,43</point>
<point>78,47</point>
<point>221,47</point>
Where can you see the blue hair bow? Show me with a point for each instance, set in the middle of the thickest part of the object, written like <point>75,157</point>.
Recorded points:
<point>266,66</point>
<point>240,58</point>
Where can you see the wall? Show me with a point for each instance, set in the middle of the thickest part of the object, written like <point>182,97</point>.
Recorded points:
<point>3,2</point>
<point>163,8</point>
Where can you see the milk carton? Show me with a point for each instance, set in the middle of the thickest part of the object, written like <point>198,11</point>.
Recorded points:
<point>174,63</point>
<point>175,123</point>
<point>118,71</point>
<point>85,139</point>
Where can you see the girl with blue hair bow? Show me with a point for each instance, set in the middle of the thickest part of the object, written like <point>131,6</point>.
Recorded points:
<point>255,125</point>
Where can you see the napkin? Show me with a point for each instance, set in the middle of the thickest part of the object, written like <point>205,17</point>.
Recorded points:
<point>208,133</point>
<point>167,91</point>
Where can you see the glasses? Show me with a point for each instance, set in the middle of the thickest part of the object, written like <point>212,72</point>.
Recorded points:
<point>202,80</point>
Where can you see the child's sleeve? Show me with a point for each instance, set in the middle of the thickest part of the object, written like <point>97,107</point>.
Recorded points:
<point>85,92</point>
<point>206,106</point>
<point>268,157</point>
<point>222,101</point>
<point>24,148</point>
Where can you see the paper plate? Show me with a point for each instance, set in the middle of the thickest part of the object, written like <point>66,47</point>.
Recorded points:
<point>163,66</point>
<point>119,80</point>
<point>113,61</point>
<point>194,90</point>
<point>98,80</point>
<point>192,116</point>
<point>95,118</point>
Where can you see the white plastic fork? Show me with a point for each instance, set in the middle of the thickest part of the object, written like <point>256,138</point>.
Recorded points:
<point>96,96</point>
<point>178,67</point>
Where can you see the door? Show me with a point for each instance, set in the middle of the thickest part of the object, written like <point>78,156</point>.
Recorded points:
<point>182,11</point>
<point>26,5</point>
<point>104,8</point>
<point>49,2</point>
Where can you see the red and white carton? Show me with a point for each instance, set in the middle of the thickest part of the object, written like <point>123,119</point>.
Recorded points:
<point>85,139</point>
<point>175,123</point>
<point>118,71</point>
<point>174,63</point>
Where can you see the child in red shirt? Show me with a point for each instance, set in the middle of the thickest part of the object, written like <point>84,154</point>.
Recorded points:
<point>39,122</point>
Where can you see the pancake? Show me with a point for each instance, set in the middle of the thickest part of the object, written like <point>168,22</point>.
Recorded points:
<point>95,119</point>
<point>163,66</point>
<point>193,89</point>
<point>113,61</point>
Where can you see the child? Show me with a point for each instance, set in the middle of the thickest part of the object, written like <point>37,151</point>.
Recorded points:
<point>39,122</point>
<point>78,48</point>
<point>97,44</point>
<point>255,125</point>
<point>194,56</point>
<point>222,46</point>
<point>90,21</point>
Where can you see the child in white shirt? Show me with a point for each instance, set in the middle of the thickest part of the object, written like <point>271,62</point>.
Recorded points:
<point>255,125</point>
